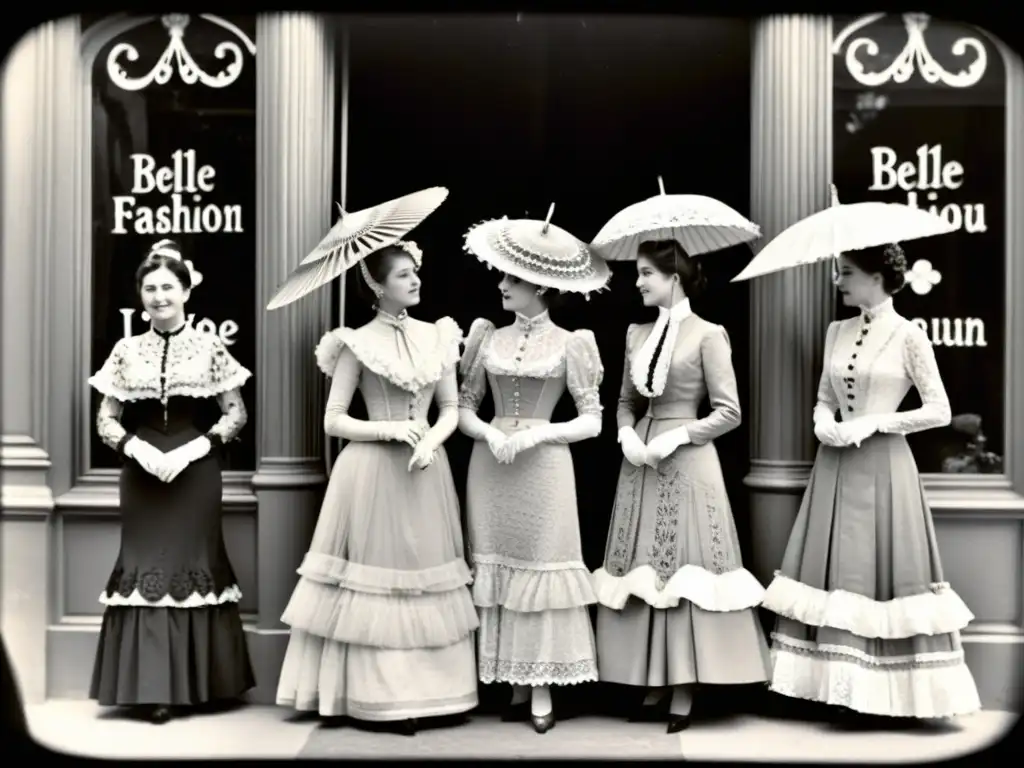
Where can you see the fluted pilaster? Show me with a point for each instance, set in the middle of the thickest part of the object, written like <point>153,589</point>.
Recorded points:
<point>791,169</point>
<point>295,161</point>
<point>40,86</point>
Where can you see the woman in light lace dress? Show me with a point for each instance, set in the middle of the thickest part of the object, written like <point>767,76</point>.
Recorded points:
<point>382,618</point>
<point>676,606</point>
<point>866,621</point>
<point>531,586</point>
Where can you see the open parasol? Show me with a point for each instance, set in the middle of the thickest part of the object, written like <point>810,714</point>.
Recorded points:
<point>538,252</point>
<point>354,237</point>
<point>699,223</point>
<point>826,234</point>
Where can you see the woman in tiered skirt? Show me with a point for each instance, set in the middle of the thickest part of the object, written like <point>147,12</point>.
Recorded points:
<point>382,618</point>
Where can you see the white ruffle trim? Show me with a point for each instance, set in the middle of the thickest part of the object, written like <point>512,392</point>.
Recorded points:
<point>231,594</point>
<point>336,571</point>
<point>102,383</point>
<point>735,590</point>
<point>929,613</point>
<point>526,589</point>
<point>426,620</point>
<point>838,676</point>
<point>401,373</point>
<point>536,673</point>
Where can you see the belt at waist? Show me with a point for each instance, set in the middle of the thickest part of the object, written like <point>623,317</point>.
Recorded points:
<point>676,410</point>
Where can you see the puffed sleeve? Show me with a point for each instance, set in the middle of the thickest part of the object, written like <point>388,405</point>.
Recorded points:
<point>584,372</point>
<point>827,402</point>
<point>111,380</point>
<point>630,400</point>
<point>921,366</point>
<point>449,339</point>
<point>471,367</point>
<point>720,378</point>
<point>227,376</point>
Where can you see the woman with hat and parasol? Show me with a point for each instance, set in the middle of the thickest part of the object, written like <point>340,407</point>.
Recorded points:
<point>676,606</point>
<point>382,619</point>
<point>530,583</point>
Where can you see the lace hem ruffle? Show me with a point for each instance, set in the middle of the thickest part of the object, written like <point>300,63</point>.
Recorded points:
<point>929,613</point>
<point>103,384</point>
<point>231,594</point>
<point>735,590</point>
<point>538,672</point>
<point>426,620</point>
<point>936,690</point>
<point>444,355</point>
<point>528,589</point>
<point>338,572</point>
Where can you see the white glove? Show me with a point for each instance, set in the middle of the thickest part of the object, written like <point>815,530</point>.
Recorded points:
<point>423,454</point>
<point>146,455</point>
<point>409,432</point>
<point>633,447</point>
<point>856,431</point>
<point>665,444</point>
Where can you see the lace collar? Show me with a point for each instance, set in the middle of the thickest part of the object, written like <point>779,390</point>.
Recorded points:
<point>536,323</point>
<point>666,325</point>
<point>879,310</point>
<point>395,321</point>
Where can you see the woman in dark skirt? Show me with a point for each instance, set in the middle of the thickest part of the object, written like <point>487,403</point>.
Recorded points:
<point>866,621</point>
<point>172,635</point>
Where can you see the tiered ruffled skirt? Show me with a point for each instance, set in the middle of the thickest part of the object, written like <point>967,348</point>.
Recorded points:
<point>382,618</point>
<point>866,620</point>
<point>530,585</point>
<point>676,605</point>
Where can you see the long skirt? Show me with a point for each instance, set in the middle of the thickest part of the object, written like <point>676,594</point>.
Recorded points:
<point>171,632</point>
<point>676,605</point>
<point>866,620</point>
<point>382,618</point>
<point>531,586</point>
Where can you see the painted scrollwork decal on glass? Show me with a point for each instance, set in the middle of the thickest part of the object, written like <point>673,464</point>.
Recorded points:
<point>915,56</point>
<point>176,57</point>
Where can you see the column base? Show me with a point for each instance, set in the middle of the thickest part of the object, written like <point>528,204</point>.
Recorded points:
<point>289,492</point>
<point>776,490</point>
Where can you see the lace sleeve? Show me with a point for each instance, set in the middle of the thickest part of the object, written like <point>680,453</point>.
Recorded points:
<point>233,417</point>
<point>919,359</point>
<point>720,378</point>
<point>108,424</point>
<point>226,373</point>
<point>827,403</point>
<point>584,372</point>
<point>630,400</point>
<point>471,367</point>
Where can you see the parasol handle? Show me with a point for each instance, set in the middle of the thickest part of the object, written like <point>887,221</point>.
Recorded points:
<point>547,221</point>
<point>661,185</point>
<point>341,211</point>
<point>835,251</point>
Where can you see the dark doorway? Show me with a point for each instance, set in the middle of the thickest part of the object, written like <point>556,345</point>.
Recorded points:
<point>512,114</point>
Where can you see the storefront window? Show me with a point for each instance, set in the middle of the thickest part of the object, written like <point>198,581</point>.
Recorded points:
<point>919,119</point>
<point>174,156</point>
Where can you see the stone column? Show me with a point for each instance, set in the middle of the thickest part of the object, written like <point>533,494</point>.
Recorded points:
<point>40,88</point>
<point>295,160</point>
<point>791,168</point>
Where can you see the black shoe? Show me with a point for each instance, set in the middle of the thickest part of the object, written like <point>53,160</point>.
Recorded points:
<point>159,715</point>
<point>516,713</point>
<point>408,727</point>
<point>543,723</point>
<point>677,723</point>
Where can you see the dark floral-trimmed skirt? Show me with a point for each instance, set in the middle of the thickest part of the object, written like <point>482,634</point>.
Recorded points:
<point>171,630</point>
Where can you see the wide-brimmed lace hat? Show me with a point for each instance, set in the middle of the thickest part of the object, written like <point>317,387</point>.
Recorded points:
<point>540,253</point>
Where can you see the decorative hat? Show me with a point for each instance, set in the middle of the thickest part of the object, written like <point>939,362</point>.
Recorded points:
<point>539,253</point>
<point>171,250</point>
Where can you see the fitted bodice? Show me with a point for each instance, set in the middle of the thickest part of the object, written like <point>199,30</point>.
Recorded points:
<point>528,366</point>
<point>387,402</point>
<point>872,361</point>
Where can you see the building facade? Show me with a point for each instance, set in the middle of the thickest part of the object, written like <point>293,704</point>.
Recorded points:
<point>246,166</point>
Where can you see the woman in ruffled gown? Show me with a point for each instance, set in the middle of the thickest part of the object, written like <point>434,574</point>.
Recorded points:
<point>866,621</point>
<point>531,586</point>
<point>382,619</point>
<point>171,635</point>
<point>676,606</point>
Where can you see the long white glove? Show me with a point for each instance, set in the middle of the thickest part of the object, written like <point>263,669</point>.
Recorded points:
<point>581,428</point>
<point>471,425</point>
<point>633,447</point>
<point>665,445</point>
<point>855,431</point>
<point>825,426</point>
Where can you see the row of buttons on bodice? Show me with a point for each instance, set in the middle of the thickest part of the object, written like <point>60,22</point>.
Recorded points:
<point>849,379</point>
